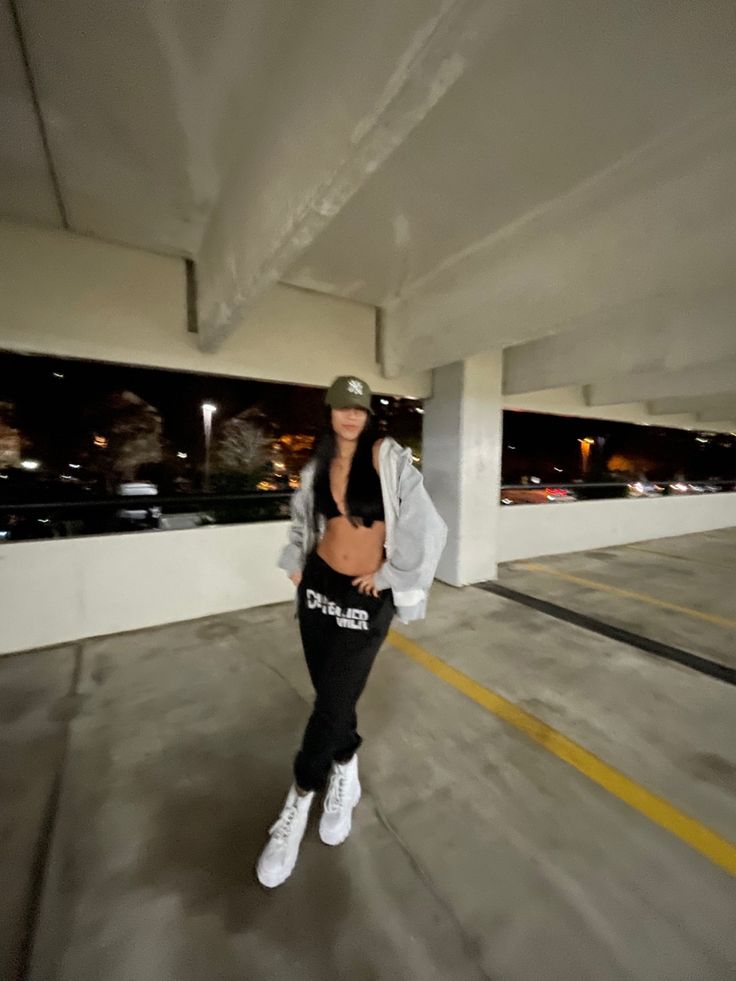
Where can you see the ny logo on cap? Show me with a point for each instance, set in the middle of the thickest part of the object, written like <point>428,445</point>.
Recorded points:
<point>355,387</point>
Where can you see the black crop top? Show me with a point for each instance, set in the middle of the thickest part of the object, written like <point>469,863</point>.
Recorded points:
<point>326,505</point>
<point>324,502</point>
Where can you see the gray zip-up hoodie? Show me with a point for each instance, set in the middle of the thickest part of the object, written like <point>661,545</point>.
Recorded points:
<point>415,533</point>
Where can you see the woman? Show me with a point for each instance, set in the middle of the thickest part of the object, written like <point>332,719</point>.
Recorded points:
<point>365,542</point>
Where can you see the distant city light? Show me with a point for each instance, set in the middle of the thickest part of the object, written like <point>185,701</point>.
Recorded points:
<point>510,447</point>
<point>57,374</point>
<point>419,410</point>
<point>75,466</point>
<point>588,440</point>
<point>536,480</point>
<point>3,476</point>
<point>30,464</point>
<point>558,469</point>
<point>208,410</point>
<point>384,401</point>
<point>182,456</point>
<point>702,439</point>
<point>100,441</point>
<point>66,476</point>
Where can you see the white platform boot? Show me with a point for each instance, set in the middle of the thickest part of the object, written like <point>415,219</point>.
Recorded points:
<point>278,858</point>
<point>343,793</point>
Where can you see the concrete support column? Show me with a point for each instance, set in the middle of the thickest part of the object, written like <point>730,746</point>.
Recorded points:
<point>463,429</point>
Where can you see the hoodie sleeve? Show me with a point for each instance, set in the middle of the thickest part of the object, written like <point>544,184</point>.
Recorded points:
<point>292,555</point>
<point>419,536</point>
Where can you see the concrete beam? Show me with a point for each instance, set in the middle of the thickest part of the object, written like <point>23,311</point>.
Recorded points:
<point>569,401</point>
<point>707,380</point>
<point>648,336</point>
<point>136,315</point>
<point>360,79</point>
<point>710,407</point>
<point>645,235</point>
<point>714,417</point>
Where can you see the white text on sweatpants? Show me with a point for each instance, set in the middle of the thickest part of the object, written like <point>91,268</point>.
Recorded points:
<point>351,619</point>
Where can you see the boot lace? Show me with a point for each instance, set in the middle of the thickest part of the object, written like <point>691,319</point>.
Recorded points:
<point>336,792</point>
<point>282,828</point>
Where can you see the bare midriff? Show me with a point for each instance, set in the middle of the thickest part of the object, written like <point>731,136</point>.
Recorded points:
<point>352,551</point>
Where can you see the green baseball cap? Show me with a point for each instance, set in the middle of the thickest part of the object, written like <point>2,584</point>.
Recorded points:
<point>348,392</point>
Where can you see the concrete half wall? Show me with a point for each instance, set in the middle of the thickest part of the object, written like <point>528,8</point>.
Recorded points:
<point>530,530</point>
<point>57,591</point>
<point>53,592</point>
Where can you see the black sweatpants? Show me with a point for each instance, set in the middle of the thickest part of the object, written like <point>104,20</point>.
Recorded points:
<point>342,631</point>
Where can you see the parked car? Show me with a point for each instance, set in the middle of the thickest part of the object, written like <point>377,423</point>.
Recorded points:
<point>707,487</point>
<point>690,487</point>
<point>139,516</point>
<point>644,488</point>
<point>537,495</point>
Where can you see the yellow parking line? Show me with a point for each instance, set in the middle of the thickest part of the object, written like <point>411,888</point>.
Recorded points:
<point>629,594</point>
<point>683,558</point>
<point>661,812</point>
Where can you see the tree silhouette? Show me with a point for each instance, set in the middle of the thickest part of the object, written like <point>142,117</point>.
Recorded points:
<point>242,449</point>
<point>10,439</point>
<point>123,432</point>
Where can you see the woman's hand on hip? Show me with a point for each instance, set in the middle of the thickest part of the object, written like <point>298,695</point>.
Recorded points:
<point>366,584</point>
<point>296,577</point>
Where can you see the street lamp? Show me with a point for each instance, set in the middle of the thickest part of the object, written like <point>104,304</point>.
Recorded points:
<point>208,410</point>
<point>586,445</point>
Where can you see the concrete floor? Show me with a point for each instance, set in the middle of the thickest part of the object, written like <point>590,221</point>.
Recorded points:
<point>694,571</point>
<point>476,853</point>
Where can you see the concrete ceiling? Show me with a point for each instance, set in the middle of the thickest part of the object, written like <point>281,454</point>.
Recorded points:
<point>26,188</point>
<point>555,179</point>
<point>559,94</point>
<point>144,106</point>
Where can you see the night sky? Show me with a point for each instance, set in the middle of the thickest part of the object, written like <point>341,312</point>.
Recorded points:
<point>536,444</point>
<point>48,408</point>
<point>48,411</point>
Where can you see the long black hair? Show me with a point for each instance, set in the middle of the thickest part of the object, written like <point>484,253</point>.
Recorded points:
<point>363,499</point>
